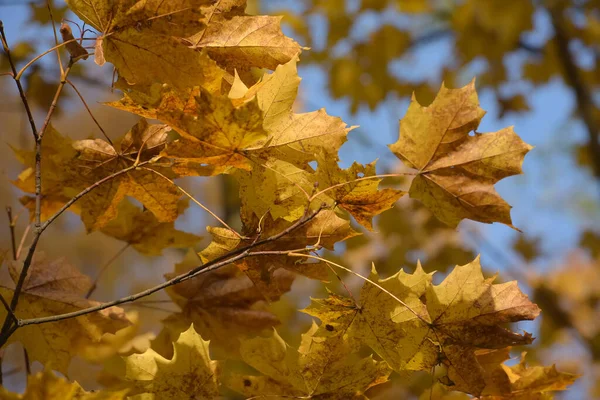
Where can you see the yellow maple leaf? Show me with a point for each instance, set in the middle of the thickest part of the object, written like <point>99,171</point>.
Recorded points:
<point>98,159</point>
<point>457,171</point>
<point>265,271</point>
<point>242,132</point>
<point>144,40</point>
<point>190,372</point>
<point>144,232</point>
<point>47,386</point>
<point>318,369</point>
<point>53,288</point>
<point>361,198</point>
<point>463,313</point>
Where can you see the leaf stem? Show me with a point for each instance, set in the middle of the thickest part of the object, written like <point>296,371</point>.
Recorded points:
<point>364,279</point>
<point>195,201</point>
<point>104,267</point>
<point>361,179</point>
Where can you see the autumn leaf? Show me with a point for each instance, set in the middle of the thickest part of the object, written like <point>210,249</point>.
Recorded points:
<point>144,40</point>
<point>361,198</point>
<point>457,171</point>
<point>318,369</point>
<point>265,270</point>
<point>54,288</point>
<point>243,132</point>
<point>243,41</point>
<point>190,372</point>
<point>224,306</point>
<point>98,159</point>
<point>411,323</point>
<point>145,233</point>
<point>47,386</point>
<point>517,382</point>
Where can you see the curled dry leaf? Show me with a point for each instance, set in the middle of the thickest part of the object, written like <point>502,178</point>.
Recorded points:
<point>74,48</point>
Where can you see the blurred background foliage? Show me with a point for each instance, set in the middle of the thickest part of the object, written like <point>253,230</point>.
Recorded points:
<point>536,67</point>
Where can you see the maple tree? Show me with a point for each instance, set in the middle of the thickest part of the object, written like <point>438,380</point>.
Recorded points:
<point>196,70</point>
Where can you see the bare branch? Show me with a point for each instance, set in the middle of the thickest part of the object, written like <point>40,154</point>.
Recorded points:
<point>17,80</point>
<point>230,257</point>
<point>11,227</point>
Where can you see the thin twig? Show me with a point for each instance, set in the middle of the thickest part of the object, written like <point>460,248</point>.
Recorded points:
<point>55,36</point>
<point>5,332</point>
<point>27,229</point>
<point>226,259</point>
<point>104,267</point>
<point>7,308</point>
<point>195,201</point>
<point>11,227</point>
<point>17,80</point>
<point>90,112</point>
<point>364,279</point>
<point>22,70</point>
<point>26,361</point>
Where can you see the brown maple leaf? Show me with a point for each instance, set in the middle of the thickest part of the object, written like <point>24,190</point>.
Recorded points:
<point>54,288</point>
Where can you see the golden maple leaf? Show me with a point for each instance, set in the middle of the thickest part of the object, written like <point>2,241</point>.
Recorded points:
<point>53,288</point>
<point>361,198</point>
<point>218,132</point>
<point>144,40</point>
<point>318,369</point>
<point>457,171</point>
<point>463,313</point>
<point>190,372</point>
<point>98,159</point>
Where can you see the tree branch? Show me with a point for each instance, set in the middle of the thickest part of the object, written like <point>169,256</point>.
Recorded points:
<point>17,81</point>
<point>232,256</point>
<point>5,332</point>
<point>572,75</point>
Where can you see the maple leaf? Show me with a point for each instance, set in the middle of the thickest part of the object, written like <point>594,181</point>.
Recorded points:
<point>517,382</point>
<point>53,288</point>
<point>463,313</point>
<point>46,385</point>
<point>361,198</point>
<point>319,369</point>
<point>239,41</point>
<point>263,270</point>
<point>456,171</point>
<point>224,305</point>
<point>190,372</point>
<point>145,233</point>
<point>243,132</point>
<point>144,40</point>
<point>97,159</point>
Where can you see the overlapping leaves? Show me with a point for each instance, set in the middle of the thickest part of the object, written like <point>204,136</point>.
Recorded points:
<point>413,324</point>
